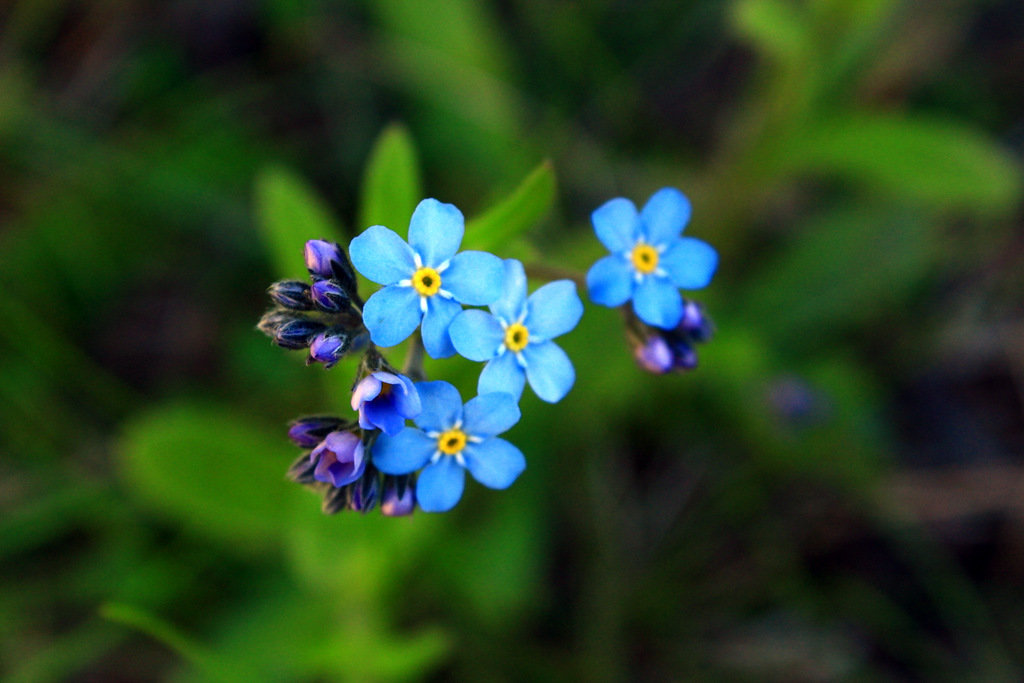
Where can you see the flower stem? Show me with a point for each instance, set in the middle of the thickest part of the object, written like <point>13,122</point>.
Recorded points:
<point>413,368</point>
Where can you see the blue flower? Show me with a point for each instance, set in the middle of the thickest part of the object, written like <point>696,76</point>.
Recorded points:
<point>339,458</point>
<point>515,337</point>
<point>450,438</point>
<point>385,400</point>
<point>425,280</point>
<point>649,260</point>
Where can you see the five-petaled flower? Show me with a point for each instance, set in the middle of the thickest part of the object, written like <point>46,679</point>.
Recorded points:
<point>385,400</point>
<point>649,259</point>
<point>425,280</point>
<point>515,337</point>
<point>450,438</point>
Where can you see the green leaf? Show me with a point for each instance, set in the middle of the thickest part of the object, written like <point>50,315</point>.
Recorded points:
<point>941,164</point>
<point>391,182</point>
<point>210,470</point>
<point>289,213</point>
<point>515,214</point>
<point>777,29</point>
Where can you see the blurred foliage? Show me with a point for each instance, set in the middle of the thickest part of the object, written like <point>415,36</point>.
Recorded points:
<point>856,162</point>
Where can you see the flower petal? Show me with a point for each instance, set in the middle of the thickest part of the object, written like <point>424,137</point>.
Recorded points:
<point>474,278</point>
<point>381,255</point>
<point>383,415</point>
<point>405,452</point>
<point>657,302</point>
<point>490,414</point>
<point>495,463</point>
<point>435,231</point>
<point>391,314</point>
<point>476,335</point>
<point>554,309</point>
<point>610,281</point>
<point>502,374</point>
<point>616,223</point>
<point>549,371</point>
<point>407,399</point>
<point>509,306</point>
<point>440,485</point>
<point>690,263</point>
<point>664,216</point>
<point>442,406</point>
<point>368,389</point>
<point>437,319</point>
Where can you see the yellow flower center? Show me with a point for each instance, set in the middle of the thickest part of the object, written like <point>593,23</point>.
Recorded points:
<point>516,337</point>
<point>645,258</point>
<point>426,281</point>
<point>451,441</point>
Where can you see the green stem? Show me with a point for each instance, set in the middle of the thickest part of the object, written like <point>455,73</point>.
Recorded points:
<point>413,368</point>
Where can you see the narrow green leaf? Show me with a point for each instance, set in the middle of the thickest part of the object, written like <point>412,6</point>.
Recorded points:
<point>289,212</point>
<point>942,164</point>
<point>777,29</point>
<point>515,214</point>
<point>391,182</point>
<point>211,470</point>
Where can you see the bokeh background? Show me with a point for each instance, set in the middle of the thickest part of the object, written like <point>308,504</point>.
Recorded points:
<point>835,494</point>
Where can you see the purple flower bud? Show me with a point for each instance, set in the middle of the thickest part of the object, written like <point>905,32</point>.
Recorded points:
<point>695,324</point>
<point>339,458</point>
<point>307,432</point>
<point>325,260</point>
<point>684,356</point>
<point>329,296</point>
<point>362,495</point>
<point>654,355</point>
<point>385,401</point>
<point>297,333</point>
<point>328,348</point>
<point>399,497</point>
<point>291,294</point>
<point>335,499</point>
<point>272,321</point>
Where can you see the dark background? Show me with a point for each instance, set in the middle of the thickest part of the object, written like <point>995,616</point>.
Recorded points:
<point>834,494</point>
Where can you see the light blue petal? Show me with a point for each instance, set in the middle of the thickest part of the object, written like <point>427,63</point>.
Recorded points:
<point>664,216</point>
<point>549,371</point>
<point>502,374</point>
<point>657,302</point>
<point>392,314</point>
<point>474,278</point>
<point>495,463</point>
<point>610,281</point>
<point>407,399</point>
<point>554,309</point>
<point>441,406</point>
<point>381,255</point>
<point>440,485</point>
<point>435,231</point>
<point>405,452</point>
<point>616,224</point>
<point>490,414</point>
<point>690,263</point>
<point>509,305</point>
<point>476,335</point>
<point>439,315</point>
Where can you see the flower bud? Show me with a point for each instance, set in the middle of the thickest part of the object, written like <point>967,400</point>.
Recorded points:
<point>399,496</point>
<point>335,499</point>
<point>362,495</point>
<point>329,296</point>
<point>695,324</point>
<point>297,333</point>
<point>684,356</point>
<point>301,471</point>
<point>654,355</point>
<point>291,294</point>
<point>325,260</point>
<point>273,319</point>
<point>308,432</point>
<point>339,458</point>
<point>328,348</point>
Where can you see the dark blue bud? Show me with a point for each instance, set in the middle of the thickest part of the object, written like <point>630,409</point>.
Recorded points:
<point>298,333</point>
<point>329,296</point>
<point>684,356</point>
<point>695,323</point>
<point>654,355</point>
<point>308,432</point>
<point>328,347</point>
<point>291,294</point>
<point>325,260</point>
<point>272,321</point>
<point>399,496</point>
<point>301,471</point>
<point>362,495</point>
<point>335,499</point>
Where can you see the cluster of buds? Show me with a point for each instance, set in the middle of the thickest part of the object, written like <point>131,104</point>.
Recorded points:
<point>323,317</point>
<point>661,351</point>
<point>335,465</point>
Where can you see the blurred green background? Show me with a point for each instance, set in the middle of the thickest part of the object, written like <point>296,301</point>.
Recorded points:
<point>834,495</point>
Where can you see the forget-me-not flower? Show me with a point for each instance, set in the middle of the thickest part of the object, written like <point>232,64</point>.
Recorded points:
<point>649,260</point>
<point>385,400</point>
<point>425,280</point>
<point>515,337</point>
<point>450,438</point>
